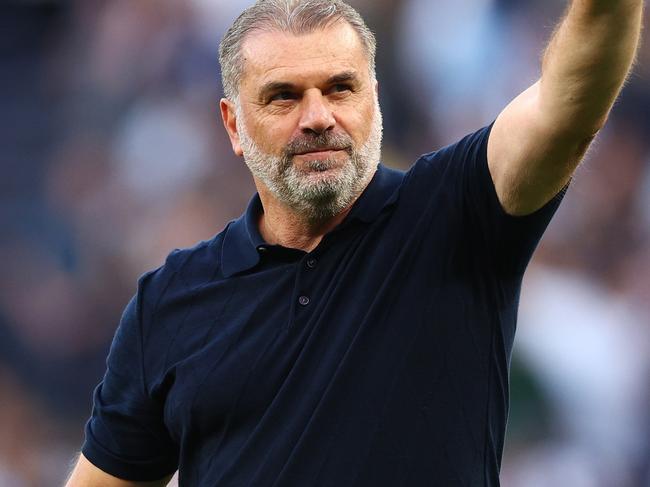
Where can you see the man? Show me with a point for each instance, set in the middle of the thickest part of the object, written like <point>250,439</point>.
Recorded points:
<point>354,326</point>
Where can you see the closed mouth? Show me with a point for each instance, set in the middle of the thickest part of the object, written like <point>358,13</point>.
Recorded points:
<point>313,151</point>
<point>320,150</point>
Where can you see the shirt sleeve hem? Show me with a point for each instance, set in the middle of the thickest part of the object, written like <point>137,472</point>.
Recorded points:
<point>139,471</point>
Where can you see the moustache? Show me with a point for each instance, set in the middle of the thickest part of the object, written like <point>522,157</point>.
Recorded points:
<point>320,142</point>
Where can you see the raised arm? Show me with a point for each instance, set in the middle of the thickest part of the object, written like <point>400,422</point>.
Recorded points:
<point>541,136</point>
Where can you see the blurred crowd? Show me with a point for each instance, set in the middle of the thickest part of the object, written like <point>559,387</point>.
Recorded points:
<point>113,154</point>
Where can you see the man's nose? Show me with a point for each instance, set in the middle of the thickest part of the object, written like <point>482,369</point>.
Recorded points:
<point>316,116</point>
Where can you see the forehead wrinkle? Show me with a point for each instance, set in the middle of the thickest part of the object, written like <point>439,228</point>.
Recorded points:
<point>328,76</point>
<point>280,84</point>
<point>335,62</point>
<point>264,57</point>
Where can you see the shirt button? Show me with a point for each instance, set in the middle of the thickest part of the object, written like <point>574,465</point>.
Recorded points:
<point>261,249</point>
<point>311,263</point>
<point>303,300</point>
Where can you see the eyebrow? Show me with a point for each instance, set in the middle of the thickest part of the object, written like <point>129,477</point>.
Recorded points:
<point>346,76</point>
<point>271,86</point>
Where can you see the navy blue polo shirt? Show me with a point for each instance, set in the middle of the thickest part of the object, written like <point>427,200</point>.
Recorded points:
<point>378,359</point>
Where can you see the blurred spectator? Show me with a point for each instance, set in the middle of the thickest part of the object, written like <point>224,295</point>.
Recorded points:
<point>114,154</point>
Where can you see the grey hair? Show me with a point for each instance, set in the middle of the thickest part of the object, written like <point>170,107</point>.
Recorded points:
<point>294,16</point>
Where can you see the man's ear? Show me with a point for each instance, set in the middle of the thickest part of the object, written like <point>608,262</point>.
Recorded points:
<point>229,118</point>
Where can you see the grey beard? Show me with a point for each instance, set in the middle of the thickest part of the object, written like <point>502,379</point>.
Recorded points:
<point>315,200</point>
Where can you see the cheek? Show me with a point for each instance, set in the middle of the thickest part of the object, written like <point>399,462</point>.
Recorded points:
<point>357,123</point>
<point>272,136</point>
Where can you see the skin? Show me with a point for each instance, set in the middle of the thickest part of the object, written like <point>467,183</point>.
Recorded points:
<point>316,103</point>
<point>540,138</point>
<point>534,147</point>
<point>85,474</point>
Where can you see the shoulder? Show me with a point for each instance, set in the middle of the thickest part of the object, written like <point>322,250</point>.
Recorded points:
<point>186,266</point>
<point>167,297</point>
<point>184,271</point>
<point>452,170</point>
<point>471,147</point>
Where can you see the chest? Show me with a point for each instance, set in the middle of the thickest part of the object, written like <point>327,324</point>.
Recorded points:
<point>338,324</point>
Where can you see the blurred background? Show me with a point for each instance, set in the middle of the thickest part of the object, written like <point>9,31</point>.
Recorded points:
<point>113,154</point>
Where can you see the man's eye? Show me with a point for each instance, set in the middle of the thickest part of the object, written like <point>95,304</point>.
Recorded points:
<point>283,96</point>
<point>341,88</point>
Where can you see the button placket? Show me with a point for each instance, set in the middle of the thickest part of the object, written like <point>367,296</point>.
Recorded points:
<point>305,274</point>
<point>311,264</point>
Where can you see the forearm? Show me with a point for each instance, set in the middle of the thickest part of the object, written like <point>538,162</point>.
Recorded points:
<point>586,63</point>
<point>85,474</point>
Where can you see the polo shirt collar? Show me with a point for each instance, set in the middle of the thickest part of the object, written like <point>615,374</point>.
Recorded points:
<point>243,240</point>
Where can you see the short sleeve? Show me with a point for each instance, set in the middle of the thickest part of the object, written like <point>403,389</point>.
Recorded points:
<point>507,241</point>
<point>126,435</point>
<point>510,239</point>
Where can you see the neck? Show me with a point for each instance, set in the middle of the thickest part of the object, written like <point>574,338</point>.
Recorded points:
<point>280,225</point>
